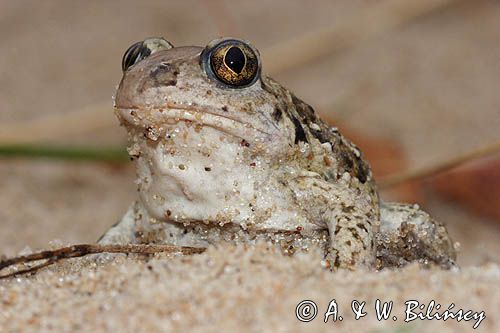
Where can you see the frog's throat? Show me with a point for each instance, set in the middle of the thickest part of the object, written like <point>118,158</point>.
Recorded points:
<point>172,114</point>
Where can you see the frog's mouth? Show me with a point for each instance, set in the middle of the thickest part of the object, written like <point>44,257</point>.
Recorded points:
<point>173,113</point>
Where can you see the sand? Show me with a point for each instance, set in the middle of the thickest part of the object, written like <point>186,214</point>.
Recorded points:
<point>254,289</point>
<point>431,85</point>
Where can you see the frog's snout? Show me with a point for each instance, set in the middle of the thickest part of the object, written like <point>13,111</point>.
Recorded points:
<point>146,83</point>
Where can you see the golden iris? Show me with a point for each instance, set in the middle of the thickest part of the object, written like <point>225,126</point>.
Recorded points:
<point>234,63</point>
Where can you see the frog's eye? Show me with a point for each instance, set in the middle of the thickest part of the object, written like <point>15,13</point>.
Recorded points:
<point>232,62</point>
<point>142,50</point>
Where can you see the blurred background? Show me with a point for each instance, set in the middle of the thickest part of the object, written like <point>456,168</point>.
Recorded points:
<point>413,83</point>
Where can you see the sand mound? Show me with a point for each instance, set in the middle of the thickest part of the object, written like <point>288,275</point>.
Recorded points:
<point>240,289</point>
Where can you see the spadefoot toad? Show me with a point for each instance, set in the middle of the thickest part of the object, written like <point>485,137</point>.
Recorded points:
<point>224,153</point>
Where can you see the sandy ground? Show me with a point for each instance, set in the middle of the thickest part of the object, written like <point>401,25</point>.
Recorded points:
<point>235,289</point>
<point>429,86</point>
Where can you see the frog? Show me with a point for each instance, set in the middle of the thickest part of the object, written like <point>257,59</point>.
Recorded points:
<point>224,153</point>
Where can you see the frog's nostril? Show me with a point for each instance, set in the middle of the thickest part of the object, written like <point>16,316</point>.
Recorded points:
<point>164,67</point>
<point>165,74</point>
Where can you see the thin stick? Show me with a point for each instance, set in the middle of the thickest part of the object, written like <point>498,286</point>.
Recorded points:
<point>32,269</point>
<point>433,170</point>
<point>81,250</point>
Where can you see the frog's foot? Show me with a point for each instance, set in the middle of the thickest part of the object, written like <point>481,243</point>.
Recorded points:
<point>348,212</point>
<point>351,240</point>
<point>409,234</point>
<point>121,232</point>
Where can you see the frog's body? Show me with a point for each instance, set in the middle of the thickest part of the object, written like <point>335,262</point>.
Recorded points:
<point>224,153</point>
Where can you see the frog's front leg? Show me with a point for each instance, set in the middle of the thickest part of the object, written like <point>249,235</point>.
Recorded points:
<point>409,234</point>
<point>351,216</point>
<point>122,232</point>
<point>351,241</point>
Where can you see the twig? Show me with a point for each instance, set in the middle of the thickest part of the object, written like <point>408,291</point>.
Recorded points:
<point>433,170</point>
<point>69,153</point>
<point>81,250</point>
<point>32,269</point>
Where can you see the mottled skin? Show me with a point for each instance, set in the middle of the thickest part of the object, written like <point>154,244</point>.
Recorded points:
<point>217,163</point>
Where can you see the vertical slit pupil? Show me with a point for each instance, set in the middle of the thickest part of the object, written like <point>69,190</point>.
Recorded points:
<point>235,59</point>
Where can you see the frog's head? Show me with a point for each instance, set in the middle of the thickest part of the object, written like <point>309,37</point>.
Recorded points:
<point>219,86</point>
<point>203,125</point>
